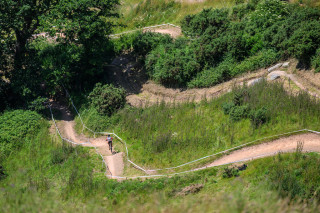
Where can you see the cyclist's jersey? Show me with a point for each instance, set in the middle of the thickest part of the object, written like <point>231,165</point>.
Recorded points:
<point>109,139</point>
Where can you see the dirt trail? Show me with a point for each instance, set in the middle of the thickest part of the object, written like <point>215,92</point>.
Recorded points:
<point>172,31</point>
<point>311,143</point>
<point>114,161</point>
<point>152,93</point>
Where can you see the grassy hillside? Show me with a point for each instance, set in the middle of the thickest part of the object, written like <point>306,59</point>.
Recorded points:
<point>47,175</point>
<point>223,43</point>
<point>162,136</point>
<point>138,14</point>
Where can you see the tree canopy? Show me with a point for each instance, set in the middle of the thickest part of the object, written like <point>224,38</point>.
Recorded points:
<point>78,28</point>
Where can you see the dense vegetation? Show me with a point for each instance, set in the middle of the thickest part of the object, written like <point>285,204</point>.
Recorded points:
<point>41,173</point>
<point>227,42</point>
<point>73,51</point>
<point>15,128</point>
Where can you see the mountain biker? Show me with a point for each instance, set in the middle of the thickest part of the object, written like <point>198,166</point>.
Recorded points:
<point>109,139</point>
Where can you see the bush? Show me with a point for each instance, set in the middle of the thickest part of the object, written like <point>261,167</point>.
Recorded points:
<point>239,112</point>
<point>230,172</point>
<point>212,76</point>
<point>259,117</point>
<point>227,107</point>
<point>316,61</point>
<point>38,104</point>
<point>15,126</point>
<point>260,60</point>
<point>148,41</point>
<point>305,41</point>
<point>171,66</point>
<point>107,99</point>
<point>196,25</point>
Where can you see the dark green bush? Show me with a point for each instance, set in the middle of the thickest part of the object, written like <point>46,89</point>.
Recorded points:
<point>148,41</point>
<point>172,66</point>
<point>239,112</point>
<point>305,41</point>
<point>230,172</point>
<point>107,99</point>
<point>316,61</point>
<point>196,25</point>
<point>262,59</point>
<point>259,117</point>
<point>227,107</point>
<point>212,76</point>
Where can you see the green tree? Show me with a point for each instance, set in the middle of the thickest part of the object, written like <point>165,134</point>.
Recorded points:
<point>79,20</point>
<point>107,99</point>
<point>75,24</point>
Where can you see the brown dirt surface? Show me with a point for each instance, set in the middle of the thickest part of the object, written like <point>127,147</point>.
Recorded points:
<point>152,93</point>
<point>311,143</point>
<point>192,189</point>
<point>114,161</point>
<point>174,32</point>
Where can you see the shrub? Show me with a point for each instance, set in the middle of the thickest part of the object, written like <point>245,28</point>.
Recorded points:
<point>196,25</point>
<point>227,107</point>
<point>107,99</point>
<point>316,61</point>
<point>259,117</point>
<point>240,96</point>
<point>212,76</point>
<point>171,66</point>
<point>15,126</point>
<point>261,59</point>
<point>305,41</point>
<point>148,41</point>
<point>38,104</point>
<point>124,42</point>
<point>230,172</point>
<point>238,112</point>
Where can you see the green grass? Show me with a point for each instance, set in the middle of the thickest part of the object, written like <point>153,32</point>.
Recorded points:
<point>137,14</point>
<point>47,175</point>
<point>164,136</point>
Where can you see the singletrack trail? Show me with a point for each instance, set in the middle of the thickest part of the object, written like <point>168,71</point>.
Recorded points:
<point>310,141</point>
<point>114,161</point>
<point>151,93</point>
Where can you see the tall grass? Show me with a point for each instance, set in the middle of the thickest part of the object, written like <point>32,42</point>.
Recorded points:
<point>47,175</point>
<point>163,135</point>
<point>138,14</point>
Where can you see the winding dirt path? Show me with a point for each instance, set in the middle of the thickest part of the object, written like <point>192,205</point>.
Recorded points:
<point>152,93</point>
<point>114,161</point>
<point>310,141</point>
<point>66,125</point>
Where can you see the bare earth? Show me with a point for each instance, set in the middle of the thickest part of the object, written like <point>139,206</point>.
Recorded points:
<point>114,161</point>
<point>311,143</point>
<point>174,32</point>
<point>150,93</point>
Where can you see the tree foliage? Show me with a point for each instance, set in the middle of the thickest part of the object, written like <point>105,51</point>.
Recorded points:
<point>76,50</point>
<point>227,42</point>
<point>107,99</point>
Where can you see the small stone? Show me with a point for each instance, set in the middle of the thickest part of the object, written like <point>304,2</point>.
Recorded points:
<point>274,67</point>
<point>253,82</point>
<point>286,64</point>
<point>273,77</point>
